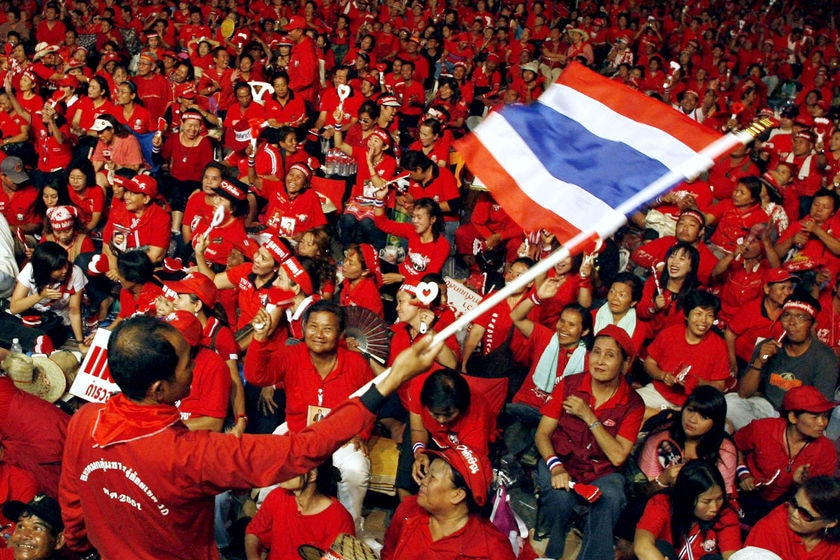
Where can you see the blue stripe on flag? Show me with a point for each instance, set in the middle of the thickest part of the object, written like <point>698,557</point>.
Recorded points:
<point>609,170</point>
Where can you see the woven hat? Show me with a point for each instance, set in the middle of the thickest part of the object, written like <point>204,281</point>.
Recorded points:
<point>37,375</point>
<point>69,364</point>
<point>345,547</point>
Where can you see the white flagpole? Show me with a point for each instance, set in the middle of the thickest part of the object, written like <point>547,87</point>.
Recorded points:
<point>605,227</point>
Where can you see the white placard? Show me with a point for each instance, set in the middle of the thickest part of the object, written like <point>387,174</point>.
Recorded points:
<point>93,381</point>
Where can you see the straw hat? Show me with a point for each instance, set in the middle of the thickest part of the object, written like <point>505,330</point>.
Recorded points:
<point>69,364</point>
<point>345,547</point>
<point>36,375</point>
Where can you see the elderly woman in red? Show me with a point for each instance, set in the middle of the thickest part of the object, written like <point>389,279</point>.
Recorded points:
<point>806,527</point>
<point>586,433</point>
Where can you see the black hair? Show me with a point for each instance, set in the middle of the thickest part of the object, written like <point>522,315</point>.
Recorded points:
<point>313,269</point>
<point>328,476</point>
<point>753,185</point>
<point>433,208</point>
<point>369,107</point>
<point>60,186</point>
<point>47,258</point>
<point>710,403</point>
<point>690,284</point>
<point>415,159</point>
<point>695,477</point>
<point>460,483</point>
<point>585,323</point>
<point>139,354</point>
<point>103,85</point>
<point>637,287</point>
<point>701,298</point>
<point>136,266</point>
<point>446,390</point>
<point>119,129</point>
<point>824,494</point>
<point>830,194</point>
<point>432,123</point>
<point>322,306</point>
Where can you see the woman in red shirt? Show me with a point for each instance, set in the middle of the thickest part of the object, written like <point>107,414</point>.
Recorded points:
<point>692,520</point>
<point>133,115</point>
<point>362,278</point>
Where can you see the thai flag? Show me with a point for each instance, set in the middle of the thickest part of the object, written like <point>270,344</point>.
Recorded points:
<point>581,153</point>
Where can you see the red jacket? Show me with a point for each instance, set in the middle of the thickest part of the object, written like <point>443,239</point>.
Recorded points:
<point>137,484</point>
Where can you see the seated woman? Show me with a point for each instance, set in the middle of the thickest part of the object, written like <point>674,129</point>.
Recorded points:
<point>442,520</point>
<point>620,308</point>
<point>806,527</point>
<point>300,511</point>
<point>65,227</point>
<point>697,432</point>
<point>693,520</point>
<point>362,278</point>
<point>316,244</point>
<point>117,148</point>
<point>736,216</point>
<point>444,412</point>
<point>85,194</point>
<point>586,433</point>
<point>665,290</point>
<point>575,286</point>
<point>50,282</point>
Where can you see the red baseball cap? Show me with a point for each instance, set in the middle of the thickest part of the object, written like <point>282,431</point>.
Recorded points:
<point>806,398</point>
<point>777,275</point>
<point>622,339</point>
<point>143,184</point>
<point>295,22</point>
<point>187,324</point>
<point>198,284</point>
<point>473,466</point>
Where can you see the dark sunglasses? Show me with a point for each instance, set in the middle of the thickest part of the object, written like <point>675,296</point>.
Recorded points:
<point>801,511</point>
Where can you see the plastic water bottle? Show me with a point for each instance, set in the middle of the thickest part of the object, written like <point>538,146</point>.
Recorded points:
<point>16,347</point>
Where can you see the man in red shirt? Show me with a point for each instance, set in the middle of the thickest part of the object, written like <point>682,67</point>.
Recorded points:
<point>17,198</point>
<point>152,88</point>
<point>115,493</point>
<point>317,376</point>
<point>303,62</point>
<point>412,98</point>
<point>244,110</point>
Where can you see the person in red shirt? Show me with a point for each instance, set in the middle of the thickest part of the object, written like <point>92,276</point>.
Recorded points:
<point>811,243</point>
<point>206,406</point>
<point>284,108</point>
<point>50,30</point>
<point>682,357</point>
<point>318,375</point>
<point>588,428</point>
<point>240,114</point>
<point>412,97</point>
<point>362,278</point>
<point>804,528</point>
<point>303,63</point>
<point>152,88</point>
<point>295,208</point>
<point>455,486</point>
<point>170,493</point>
<point>778,454</point>
<point>694,515</point>
<point>37,532</point>
<point>302,510</point>
<point>216,82</point>
<point>17,197</point>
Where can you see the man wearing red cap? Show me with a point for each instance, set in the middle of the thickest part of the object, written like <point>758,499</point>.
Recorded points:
<point>317,376</point>
<point>778,454</point>
<point>303,63</point>
<point>442,520</point>
<point>777,366</point>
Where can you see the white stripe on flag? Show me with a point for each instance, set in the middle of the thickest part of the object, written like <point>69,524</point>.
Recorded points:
<point>603,121</point>
<point>580,208</point>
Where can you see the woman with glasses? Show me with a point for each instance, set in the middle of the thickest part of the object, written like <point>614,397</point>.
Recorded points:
<point>85,194</point>
<point>806,527</point>
<point>776,455</point>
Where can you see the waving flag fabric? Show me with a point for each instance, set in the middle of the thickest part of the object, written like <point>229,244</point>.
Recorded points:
<point>586,146</point>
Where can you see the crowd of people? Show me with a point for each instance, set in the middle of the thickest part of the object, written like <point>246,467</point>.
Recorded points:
<point>219,185</point>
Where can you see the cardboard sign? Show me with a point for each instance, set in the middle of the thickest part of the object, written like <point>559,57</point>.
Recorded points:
<point>93,381</point>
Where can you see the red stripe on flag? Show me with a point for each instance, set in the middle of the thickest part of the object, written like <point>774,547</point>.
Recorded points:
<point>509,195</point>
<point>636,106</point>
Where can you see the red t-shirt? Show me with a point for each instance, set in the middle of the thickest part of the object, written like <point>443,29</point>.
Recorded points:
<point>751,325</point>
<point>537,343</point>
<point>281,528</point>
<point>126,231</point>
<point>144,304</point>
<point>19,207</point>
<point>291,217</point>
<point>723,536</point>
<point>223,239</point>
<point>92,200</point>
<point>422,257</point>
<point>772,533</point>
<point>186,164</point>
<point>363,294</point>
<point>210,388</point>
<point>708,360</point>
